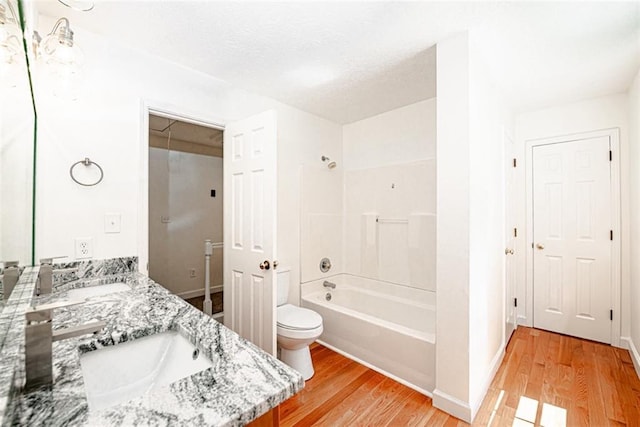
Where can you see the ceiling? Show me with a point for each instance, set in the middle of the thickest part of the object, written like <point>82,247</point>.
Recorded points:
<point>349,60</point>
<point>182,131</point>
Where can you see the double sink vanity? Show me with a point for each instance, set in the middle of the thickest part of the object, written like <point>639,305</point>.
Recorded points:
<point>154,360</point>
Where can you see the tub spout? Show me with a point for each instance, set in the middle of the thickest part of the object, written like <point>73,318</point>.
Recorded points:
<point>329,285</point>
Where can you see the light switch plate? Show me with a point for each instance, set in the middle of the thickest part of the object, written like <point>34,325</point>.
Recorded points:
<point>112,222</point>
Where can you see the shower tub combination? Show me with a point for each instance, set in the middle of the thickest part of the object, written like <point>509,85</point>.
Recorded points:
<point>387,327</point>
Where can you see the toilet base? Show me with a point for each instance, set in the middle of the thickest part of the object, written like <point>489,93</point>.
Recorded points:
<point>299,359</point>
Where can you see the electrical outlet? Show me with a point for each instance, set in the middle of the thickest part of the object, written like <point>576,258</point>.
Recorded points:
<point>84,247</point>
<point>192,273</point>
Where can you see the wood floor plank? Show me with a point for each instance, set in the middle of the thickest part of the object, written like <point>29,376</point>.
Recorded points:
<point>348,410</point>
<point>594,383</point>
<point>386,405</point>
<point>411,412</point>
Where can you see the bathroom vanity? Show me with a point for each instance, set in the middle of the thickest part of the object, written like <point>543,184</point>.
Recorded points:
<point>137,380</point>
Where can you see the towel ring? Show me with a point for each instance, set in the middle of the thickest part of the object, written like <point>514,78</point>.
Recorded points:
<point>86,162</point>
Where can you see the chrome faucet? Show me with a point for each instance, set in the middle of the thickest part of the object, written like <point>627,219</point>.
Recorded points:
<point>39,337</point>
<point>10,277</point>
<point>329,285</point>
<point>45,276</point>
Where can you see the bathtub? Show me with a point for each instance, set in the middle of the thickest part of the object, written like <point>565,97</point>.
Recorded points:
<point>387,327</point>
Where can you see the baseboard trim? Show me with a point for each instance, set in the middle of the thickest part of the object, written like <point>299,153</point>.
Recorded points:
<point>198,292</point>
<point>633,351</point>
<point>495,365</point>
<point>375,368</point>
<point>468,411</point>
<point>452,405</point>
<point>523,321</point>
<point>625,342</point>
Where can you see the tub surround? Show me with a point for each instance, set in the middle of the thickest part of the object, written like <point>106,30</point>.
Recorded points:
<point>243,383</point>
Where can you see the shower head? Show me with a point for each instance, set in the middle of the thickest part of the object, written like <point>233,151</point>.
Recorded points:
<point>330,165</point>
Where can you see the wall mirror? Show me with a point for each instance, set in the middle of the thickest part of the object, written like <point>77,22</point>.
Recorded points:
<point>17,125</point>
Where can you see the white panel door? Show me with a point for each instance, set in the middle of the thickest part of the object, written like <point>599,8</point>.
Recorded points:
<point>572,244</point>
<point>510,237</point>
<point>250,229</point>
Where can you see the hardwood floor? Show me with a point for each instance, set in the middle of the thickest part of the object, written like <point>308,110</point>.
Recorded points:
<point>216,302</point>
<point>581,382</point>
<point>545,379</point>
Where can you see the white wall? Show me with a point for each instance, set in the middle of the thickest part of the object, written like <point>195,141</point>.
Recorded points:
<point>399,136</point>
<point>490,118</point>
<point>105,124</point>
<point>634,223</point>
<point>470,248</point>
<point>593,114</point>
<point>179,189</point>
<point>453,258</point>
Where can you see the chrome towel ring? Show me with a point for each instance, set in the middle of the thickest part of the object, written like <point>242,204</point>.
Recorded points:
<point>86,162</point>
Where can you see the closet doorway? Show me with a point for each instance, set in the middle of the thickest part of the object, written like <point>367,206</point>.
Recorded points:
<point>185,207</point>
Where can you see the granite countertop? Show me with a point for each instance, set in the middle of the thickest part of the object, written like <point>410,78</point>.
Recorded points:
<point>243,383</point>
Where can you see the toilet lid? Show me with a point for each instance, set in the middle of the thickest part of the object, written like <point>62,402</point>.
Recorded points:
<point>292,317</point>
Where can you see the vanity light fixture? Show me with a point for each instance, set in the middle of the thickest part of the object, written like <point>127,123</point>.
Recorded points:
<point>9,43</point>
<point>58,49</point>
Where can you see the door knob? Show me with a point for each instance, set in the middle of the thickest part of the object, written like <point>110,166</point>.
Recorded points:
<point>265,265</point>
<point>508,251</point>
<point>540,246</point>
<point>275,264</point>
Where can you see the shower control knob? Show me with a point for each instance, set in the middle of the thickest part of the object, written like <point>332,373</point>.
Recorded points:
<point>325,265</point>
<point>265,265</point>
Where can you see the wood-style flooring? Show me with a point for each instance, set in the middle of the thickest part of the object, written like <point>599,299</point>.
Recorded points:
<point>545,379</point>
<point>216,302</point>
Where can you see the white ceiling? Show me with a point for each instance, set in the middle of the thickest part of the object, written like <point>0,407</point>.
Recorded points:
<point>189,132</point>
<point>349,60</point>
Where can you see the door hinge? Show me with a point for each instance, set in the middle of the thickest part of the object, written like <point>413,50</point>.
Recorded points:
<point>515,302</point>
<point>611,315</point>
<point>515,163</point>
<point>515,232</point>
<point>610,234</point>
<point>610,156</point>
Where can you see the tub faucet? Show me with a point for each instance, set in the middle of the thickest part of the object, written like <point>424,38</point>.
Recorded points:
<point>329,285</point>
<point>39,337</point>
<point>10,277</point>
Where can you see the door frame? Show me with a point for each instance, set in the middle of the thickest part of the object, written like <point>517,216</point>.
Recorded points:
<point>614,138</point>
<point>171,112</point>
<point>508,297</point>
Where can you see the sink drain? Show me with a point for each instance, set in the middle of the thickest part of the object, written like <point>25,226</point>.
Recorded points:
<point>195,354</point>
<point>328,296</point>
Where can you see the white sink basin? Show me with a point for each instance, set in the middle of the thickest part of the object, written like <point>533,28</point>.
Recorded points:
<point>119,373</point>
<point>96,291</point>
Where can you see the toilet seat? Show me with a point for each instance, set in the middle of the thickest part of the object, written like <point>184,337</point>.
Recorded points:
<point>297,322</point>
<point>297,318</point>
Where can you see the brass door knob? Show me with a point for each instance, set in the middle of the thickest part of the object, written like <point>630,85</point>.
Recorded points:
<point>265,265</point>
<point>508,251</point>
<point>540,246</point>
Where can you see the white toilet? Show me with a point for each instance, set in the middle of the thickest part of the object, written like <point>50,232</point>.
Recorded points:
<point>297,328</point>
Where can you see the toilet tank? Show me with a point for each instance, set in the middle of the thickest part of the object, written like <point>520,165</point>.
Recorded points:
<point>283,279</point>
